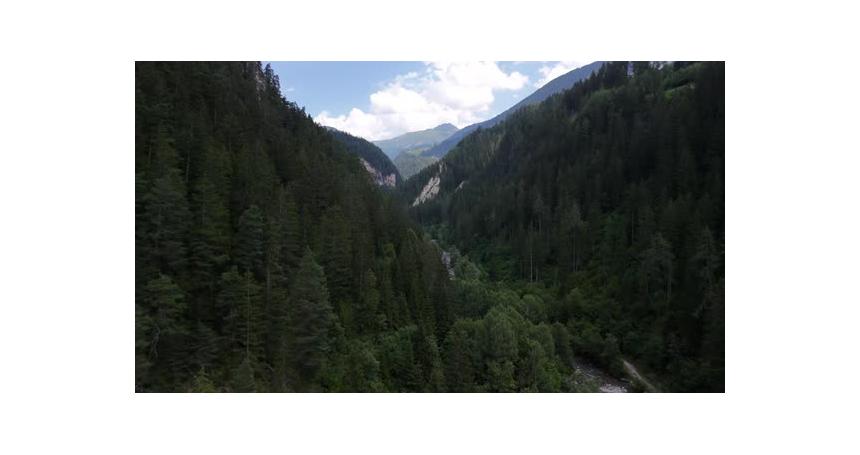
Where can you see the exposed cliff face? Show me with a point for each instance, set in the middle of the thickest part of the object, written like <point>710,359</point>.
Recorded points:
<point>378,165</point>
<point>431,189</point>
<point>381,179</point>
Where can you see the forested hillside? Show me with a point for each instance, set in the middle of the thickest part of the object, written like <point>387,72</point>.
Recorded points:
<point>264,254</point>
<point>267,260</point>
<point>410,162</point>
<point>380,163</point>
<point>407,150</point>
<point>416,140</point>
<point>588,228</point>
<point>610,198</point>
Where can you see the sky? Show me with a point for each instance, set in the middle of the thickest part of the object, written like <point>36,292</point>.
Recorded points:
<point>381,100</point>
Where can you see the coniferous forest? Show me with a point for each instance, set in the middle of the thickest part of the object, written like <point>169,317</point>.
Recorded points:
<point>585,232</point>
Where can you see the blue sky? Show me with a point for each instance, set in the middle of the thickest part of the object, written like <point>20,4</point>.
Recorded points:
<point>379,100</point>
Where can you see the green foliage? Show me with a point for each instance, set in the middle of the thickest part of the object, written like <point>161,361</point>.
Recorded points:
<point>240,307</point>
<point>161,330</point>
<point>353,370</point>
<point>398,364</point>
<point>431,363</point>
<point>368,152</point>
<point>250,241</point>
<point>368,304</point>
<point>311,319</point>
<point>411,162</point>
<point>243,377</point>
<point>167,221</point>
<point>233,184</point>
<point>589,226</point>
<point>202,383</point>
<point>612,194</point>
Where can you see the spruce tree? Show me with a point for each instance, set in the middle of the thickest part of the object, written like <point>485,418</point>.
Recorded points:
<point>243,377</point>
<point>202,383</point>
<point>310,320</point>
<point>240,305</point>
<point>166,308</point>
<point>250,241</point>
<point>168,219</point>
<point>368,304</point>
<point>459,349</point>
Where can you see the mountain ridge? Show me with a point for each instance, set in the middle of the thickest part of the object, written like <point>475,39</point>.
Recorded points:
<point>563,82</point>
<point>415,139</point>
<point>375,161</point>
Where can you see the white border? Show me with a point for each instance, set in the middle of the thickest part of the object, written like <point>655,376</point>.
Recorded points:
<point>67,255</point>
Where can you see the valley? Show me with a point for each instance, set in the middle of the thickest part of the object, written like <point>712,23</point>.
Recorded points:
<point>572,243</point>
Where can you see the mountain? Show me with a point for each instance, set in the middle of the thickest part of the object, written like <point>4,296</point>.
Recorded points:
<point>552,87</point>
<point>410,162</point>
<point>378,165</point>
<point>586,231</point>
<point>612,195</point>
<point>416,140</point>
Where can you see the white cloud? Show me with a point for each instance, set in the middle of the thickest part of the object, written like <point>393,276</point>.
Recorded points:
<point>357,122</point>
<point>549,73</point>
<point>457,93</point>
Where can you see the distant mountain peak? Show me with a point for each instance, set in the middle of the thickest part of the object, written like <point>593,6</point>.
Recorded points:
<point>416,139</point>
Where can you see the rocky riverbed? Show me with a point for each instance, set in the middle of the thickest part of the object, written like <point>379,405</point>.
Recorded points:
<point>589,377</point>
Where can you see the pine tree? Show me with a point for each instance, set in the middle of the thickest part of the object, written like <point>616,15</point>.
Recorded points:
<point>250,241</point>
<point>168,221</point>
<point>311,319</point>
<point>209,244</point>
<point>657,267</point>
<point>204,345</point>
<point>337,261</point>
<point>143,338</point>
<point>243,377</point>
<point>388,299</point>
<point>398,363</point>
<point>240,304</point>
<point>459,349</point>
<point>562,340</point>
<point>166,307</point>
<point>142,262</point>
<point>289,220</point>
<point>435,377</point>
<point>361,369</point>
<point>368,304</point>
<point>202,383</point>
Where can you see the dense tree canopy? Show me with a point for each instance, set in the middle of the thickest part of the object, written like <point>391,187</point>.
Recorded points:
<point>367,151</point>
<point>586,228</point>
<point>263,250</point>
<point>612,195</point>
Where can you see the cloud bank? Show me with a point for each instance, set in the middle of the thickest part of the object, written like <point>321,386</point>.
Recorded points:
<point>457,93</point>
<point>549,73</point>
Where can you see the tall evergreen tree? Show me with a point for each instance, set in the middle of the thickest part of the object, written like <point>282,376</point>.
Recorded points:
<point>167,216</point>
<point>240,306</point>
<point>250,241</point>
<point>310,321</point>
<point>166,323</point>
<point>368,304</point>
